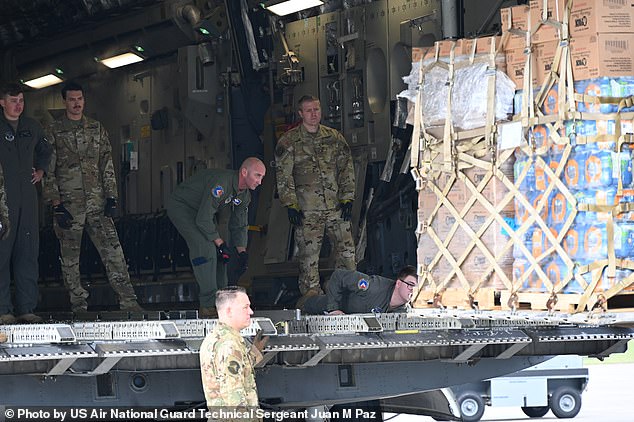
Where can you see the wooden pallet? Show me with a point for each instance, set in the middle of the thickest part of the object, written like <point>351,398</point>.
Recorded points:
<point>539,301</point>
<point>455,299</point>
<point>565,302</point>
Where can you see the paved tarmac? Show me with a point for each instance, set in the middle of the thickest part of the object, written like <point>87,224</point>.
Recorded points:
<point>609,397</point>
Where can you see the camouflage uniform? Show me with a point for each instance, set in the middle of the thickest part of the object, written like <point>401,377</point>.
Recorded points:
<point>82,177</point>
<point>226,366</point>
<point>21,150</point>
<point>315,172</point>
<point>196,208</point>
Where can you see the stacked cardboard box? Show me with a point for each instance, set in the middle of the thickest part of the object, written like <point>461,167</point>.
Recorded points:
<point>601,38</point>
<point>601,41</point>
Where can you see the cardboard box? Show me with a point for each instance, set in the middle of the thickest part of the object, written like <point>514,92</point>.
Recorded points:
<point>555,11</point>
<point>602,55</point>
<point>601,16</point>
<point>480,45</point>
<point>515,17</point>
<point>544,56</point>
<point>515,65</point>
<point>444,51</point>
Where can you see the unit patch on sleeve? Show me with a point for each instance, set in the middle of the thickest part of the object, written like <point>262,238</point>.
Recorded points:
<point>218,191</point>
<point>363,284</point>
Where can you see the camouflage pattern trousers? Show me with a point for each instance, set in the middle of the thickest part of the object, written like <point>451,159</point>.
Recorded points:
<point>103,234</point>
<point>309,238</point>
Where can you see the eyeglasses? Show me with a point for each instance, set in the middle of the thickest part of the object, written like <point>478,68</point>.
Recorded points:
<point>408,283</point>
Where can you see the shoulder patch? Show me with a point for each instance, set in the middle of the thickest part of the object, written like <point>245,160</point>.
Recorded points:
<point>218,191</point>
<point>233,367</point>
<point>363,284</point>
<point>237,201</point>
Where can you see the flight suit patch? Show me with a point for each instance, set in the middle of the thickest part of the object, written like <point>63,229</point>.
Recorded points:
<point>217,192</point>
<point>237,201</point>
<point>363,284</point>
<point>234,367</point>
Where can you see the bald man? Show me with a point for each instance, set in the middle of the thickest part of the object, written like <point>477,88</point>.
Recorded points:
<point>196,207</point>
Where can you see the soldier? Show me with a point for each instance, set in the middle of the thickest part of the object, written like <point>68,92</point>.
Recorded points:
<point>226,361</point>
<point>315,181</point>
<point>352,292</point>
<point>196,207</point>
<point>83,192</point>
<point>24,157</point>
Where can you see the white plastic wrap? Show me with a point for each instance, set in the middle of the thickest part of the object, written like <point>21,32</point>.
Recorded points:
<point>469,94</point>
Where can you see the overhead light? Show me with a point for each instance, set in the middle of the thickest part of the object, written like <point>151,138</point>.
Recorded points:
<point>43,81</point>
<point>121,60</point>
<point>286,7</point>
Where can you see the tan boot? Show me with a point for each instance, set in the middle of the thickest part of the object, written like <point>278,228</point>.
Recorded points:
<point>7,319</point>
<point>207,313</point>
<point>30,318</point>
<point>131,306</point>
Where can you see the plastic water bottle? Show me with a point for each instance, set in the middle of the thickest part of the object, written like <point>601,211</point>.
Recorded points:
<point>573,241</point>
<point>624,240</point>
<point>626,198</point>
<point>521,161</point>
<point>541,179</point>
<point>538,242</point>
<point>595,242</point>
<point>543,214</point>
<point>557,271</point>
<point>597,87</point>
<point>527,241</point>
<point>560,207</point>
<point>539,135</point>
<point>520,267</point>
<point>599,167</point>
<point>625,160</point>
<point>574,170</point>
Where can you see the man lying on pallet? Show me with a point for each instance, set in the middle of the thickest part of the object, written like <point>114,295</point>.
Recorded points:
<point>350,292</point>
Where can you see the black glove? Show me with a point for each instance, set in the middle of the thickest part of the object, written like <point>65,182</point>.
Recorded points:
<point>259,341</point>
<point>62,216</point>
<point>295,216</point>
<point>243,262</point>
<point>110,210</point>
<point>346,210</point>
<point>223,253</point>
<point>4,229</point>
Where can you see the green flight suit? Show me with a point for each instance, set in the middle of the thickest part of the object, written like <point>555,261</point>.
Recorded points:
<point>196,207</point>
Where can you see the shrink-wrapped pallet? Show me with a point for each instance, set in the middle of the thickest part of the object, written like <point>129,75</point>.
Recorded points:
<point>558,231</point>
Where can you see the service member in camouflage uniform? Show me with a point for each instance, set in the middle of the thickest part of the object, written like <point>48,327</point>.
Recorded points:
<point>227,360</point>
<point>83,191</point>
<point>352,292</point>
<point>315,181</point>
<point>24,157</point>
<point>195,208</point>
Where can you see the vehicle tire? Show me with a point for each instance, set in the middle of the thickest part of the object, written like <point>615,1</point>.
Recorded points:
<point>471,407</point>
<point>565,402</point>
<point>535,411</point>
